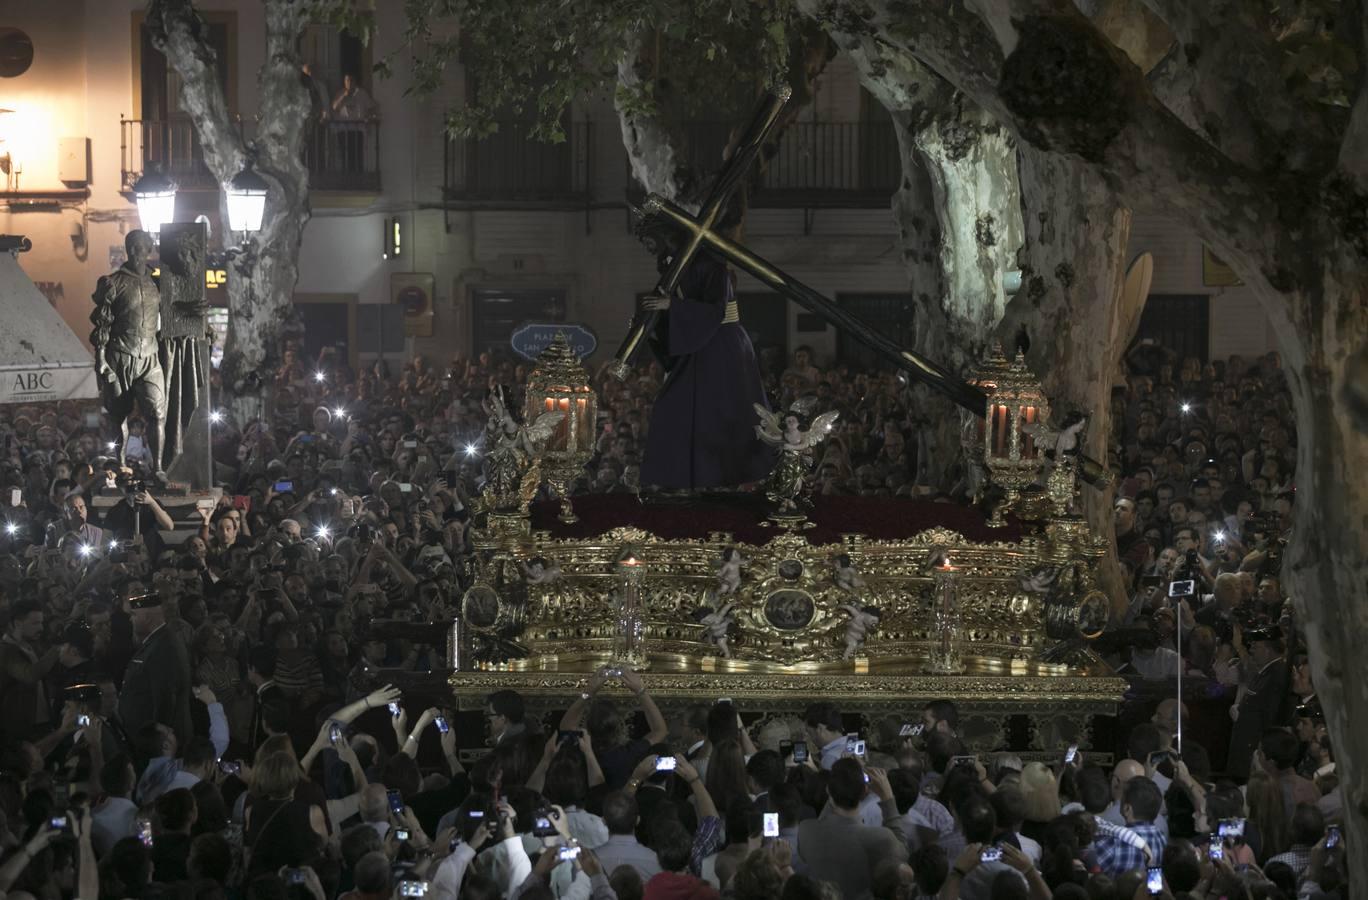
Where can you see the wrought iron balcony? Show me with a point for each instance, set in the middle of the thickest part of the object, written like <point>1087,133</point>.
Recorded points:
<point>509,169</point>
<point>817,164</point>
<point>340,155</point>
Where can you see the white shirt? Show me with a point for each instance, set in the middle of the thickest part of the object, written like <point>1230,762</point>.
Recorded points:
<point>111,822</point>
<point>1158,665</point>
<point>1030,848</point>
<point>832,752</point>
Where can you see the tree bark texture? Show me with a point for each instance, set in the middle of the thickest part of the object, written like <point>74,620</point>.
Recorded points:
<point>959,221</point>
<point>264,277</point>
<point>650,151</point>
<point>1279,191</point>
<point>1068,308</point>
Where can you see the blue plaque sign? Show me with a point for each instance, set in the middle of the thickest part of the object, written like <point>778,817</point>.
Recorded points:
<point>530,340</point>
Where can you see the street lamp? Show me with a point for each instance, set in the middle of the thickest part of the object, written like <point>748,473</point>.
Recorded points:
<point>246,201</point>
<point>156,197</point>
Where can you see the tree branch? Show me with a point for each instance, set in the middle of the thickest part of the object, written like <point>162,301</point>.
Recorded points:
<point>178,32</point>
<point>1066,88</point>
<point>1239,93</point>
<point>649,148</point>
<point>284,104</point>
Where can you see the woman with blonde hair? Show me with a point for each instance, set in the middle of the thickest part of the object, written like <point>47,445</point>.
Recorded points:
<point>278,828</point>
<point>1041,793</point>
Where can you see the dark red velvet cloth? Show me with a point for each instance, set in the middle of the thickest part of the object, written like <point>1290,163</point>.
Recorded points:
<point>879,518</point>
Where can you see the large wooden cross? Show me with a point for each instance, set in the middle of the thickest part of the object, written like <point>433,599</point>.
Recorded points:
<point>700,231</point>
<point>714,205</point>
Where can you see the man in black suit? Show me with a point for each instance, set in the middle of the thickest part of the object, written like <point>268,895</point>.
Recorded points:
<point>1263,687</point>
<point>156,685</point>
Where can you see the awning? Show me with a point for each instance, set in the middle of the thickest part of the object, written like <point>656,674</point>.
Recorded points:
<point>41,358</point>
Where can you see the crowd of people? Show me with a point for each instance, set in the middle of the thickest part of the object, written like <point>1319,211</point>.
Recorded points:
<point>208,717</point>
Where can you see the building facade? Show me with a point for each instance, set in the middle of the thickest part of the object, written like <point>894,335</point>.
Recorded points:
<point>490,233</point>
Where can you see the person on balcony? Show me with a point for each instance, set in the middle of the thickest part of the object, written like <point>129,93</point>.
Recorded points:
<point>352,106</point>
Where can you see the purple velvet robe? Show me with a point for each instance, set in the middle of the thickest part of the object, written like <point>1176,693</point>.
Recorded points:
<point>702,432</point>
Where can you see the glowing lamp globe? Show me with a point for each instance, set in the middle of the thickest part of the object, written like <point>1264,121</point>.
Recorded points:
<point>156,198</point>
<point>246,201</point>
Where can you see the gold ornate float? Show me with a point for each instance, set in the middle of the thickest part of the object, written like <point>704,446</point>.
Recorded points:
<point>999,623</point>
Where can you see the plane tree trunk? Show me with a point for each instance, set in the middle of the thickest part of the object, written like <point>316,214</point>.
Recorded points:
<point>264,276</point>
<point>1275,183</point>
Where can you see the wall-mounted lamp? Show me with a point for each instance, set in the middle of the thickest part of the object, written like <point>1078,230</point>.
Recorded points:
<point>392,248</point>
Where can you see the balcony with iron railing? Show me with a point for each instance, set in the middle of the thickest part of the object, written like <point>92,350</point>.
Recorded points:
<point>851,165</point>
<point>340,155</point>
<point>508,169</point>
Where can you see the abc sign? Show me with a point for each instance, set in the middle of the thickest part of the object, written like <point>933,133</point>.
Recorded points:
<point>32,382</point>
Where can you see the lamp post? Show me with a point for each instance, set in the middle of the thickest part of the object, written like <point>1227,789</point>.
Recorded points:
<point>155,194</point>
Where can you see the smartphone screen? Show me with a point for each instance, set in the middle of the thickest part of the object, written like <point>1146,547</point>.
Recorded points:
<point>441,724</point>
<point>16,496</point>
<point>282,487</point>
<point>1332,837</point>
<point>1154,880</point>
<point>666,763</point>
<point>1216,851</point>
<point>396,802</point>
<point>1072,754</point>
<point>771,824</point>
<point>800,752</point>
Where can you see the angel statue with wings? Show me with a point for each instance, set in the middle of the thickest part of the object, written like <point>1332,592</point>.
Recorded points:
<point>511,470</point>
<point>1061,446</point>
<point>795,442</point>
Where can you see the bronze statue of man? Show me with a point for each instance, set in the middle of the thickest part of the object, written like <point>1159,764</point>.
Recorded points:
<point>127,317</point>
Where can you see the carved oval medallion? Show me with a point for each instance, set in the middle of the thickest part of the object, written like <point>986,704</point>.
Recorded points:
<point>789,610</point>
<point>480,606</point>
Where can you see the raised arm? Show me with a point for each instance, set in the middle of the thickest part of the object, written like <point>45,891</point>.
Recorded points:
<point>377,698</point>
<point>659,730</point>
<point>575,714</point>
<point>702,799</point>
<point>590,760</point>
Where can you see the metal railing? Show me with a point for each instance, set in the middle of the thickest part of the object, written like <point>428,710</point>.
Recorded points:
<point>171,144</point>
<point>340,155</point>
<point>508,166</point>
<point>852,164</point>
<point>343,155</point>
